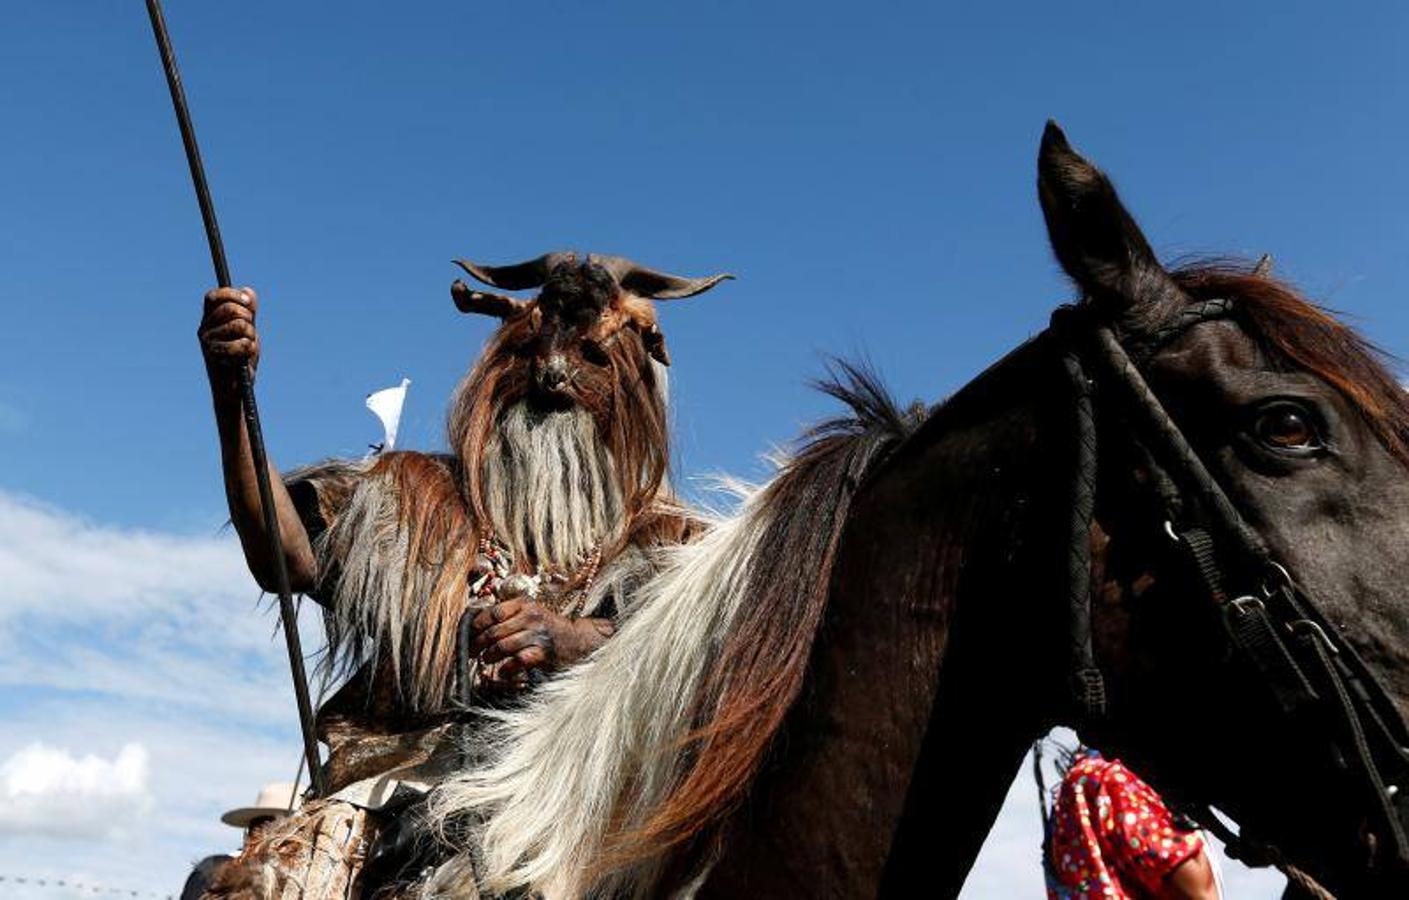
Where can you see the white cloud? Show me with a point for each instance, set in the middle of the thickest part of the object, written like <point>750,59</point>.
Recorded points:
<point>48,790</point>
<point>163,618</point>
<point>67,568</point>
<point>143,690</point>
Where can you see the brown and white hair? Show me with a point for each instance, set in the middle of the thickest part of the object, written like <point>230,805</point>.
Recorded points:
<point>589,787</point>
<point>589,348</point>
<point>559,448</point>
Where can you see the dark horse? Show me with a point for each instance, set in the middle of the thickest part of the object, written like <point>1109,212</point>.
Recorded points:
<point>896,651</point>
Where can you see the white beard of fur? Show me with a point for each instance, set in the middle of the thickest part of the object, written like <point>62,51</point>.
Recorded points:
<point>550,486</point>
<point>588,746</point>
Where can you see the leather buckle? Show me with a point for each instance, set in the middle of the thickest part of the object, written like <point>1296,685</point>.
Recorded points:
<point>1300,626</point>
<point>1248,603</point>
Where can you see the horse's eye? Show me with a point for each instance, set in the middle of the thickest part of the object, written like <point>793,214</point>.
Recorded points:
<point>1285,426</point>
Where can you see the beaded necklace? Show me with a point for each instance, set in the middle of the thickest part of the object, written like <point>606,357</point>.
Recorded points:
<point>493,580</point>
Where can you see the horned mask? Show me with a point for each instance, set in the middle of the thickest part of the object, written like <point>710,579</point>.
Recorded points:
<point>590,301</point>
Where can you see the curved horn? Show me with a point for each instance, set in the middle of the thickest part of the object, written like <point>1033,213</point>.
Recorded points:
<point>469,300</point>
<point>519,277</point>
<point>644,282</point>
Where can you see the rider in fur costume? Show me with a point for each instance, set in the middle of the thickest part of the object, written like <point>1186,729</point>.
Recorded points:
<point>535,527</point>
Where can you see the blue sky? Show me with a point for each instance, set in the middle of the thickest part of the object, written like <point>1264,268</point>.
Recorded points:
<point>867,170</point>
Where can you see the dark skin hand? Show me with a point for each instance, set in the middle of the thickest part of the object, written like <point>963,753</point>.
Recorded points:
<point>519,635</point>
<point>522,634</point>
<point>229,341</point>
<point>1191,880</point>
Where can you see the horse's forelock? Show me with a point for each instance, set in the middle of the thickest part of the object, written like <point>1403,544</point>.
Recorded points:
<point>1301,334</point>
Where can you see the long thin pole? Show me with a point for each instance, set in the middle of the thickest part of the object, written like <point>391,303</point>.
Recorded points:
<point>287,615</point>
<point>1041,783</point>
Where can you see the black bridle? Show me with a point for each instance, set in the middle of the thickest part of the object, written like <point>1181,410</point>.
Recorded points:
<point>1314,676</point>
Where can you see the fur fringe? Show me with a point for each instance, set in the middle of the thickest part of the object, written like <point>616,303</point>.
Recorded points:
<point>597,744</point>
<point>579,790</point>
<point>393,564</point>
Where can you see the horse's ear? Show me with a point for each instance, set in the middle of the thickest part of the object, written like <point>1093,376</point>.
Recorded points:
<point>1095,239</point>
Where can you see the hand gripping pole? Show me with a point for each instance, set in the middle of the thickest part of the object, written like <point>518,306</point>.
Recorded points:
<point>288,616</point>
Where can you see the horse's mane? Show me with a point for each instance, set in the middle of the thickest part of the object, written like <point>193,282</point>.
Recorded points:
<point>760,669</point>
<point>654,740</point>
<point>1303,335</point>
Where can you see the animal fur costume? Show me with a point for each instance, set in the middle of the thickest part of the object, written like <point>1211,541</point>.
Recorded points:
<point>560,450</point>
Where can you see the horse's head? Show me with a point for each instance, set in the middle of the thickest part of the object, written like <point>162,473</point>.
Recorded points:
<point>1307,435</point>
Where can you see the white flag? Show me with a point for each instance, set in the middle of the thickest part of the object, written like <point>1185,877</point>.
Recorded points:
<point>386,405</point>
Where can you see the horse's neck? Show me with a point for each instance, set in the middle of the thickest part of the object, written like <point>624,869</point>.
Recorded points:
<point>865,800</point>
<point>980,727</point>
<point>921,696</point>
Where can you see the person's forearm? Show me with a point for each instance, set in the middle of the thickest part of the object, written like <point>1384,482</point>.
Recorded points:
<point>242,494</point>
<point>1191,880</point>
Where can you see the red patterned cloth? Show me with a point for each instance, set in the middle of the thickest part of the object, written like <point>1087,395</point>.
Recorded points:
<point>1111,837</point>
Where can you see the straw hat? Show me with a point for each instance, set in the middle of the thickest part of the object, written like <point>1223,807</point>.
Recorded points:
<point>276,799</point>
